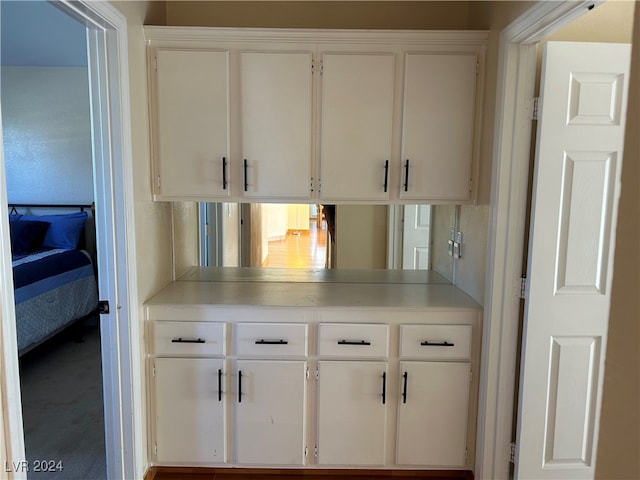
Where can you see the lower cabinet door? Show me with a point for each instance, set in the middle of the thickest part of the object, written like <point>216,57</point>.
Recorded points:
<point>432,413</point>
<point>269,403</point>
<point>189,410</point>
<point>352,410</point>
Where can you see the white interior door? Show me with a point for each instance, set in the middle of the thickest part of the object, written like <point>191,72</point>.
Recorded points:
<point>576,190</point>
<point>416,237</point>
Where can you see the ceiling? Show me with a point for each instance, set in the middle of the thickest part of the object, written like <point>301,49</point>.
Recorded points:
<point>36,33</point>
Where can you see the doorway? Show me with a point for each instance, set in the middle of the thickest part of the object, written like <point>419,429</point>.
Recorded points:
<point>516,84</point>
<point>47,145</point>
<point>111,147</point>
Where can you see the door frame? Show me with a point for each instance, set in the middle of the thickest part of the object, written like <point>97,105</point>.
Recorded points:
<point>517,65</point>
<point>113,171</point>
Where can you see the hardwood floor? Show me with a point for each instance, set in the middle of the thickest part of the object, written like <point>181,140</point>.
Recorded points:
<point>169,473</point>
<point>303,249</point>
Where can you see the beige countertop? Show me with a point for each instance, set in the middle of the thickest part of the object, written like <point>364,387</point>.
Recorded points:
<point>306,288</point>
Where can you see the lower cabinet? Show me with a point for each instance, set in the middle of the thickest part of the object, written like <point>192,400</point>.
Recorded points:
<point>190,416</point>
<point>269,420</point>
<point>252,400</point>
<point>352,412</point>
<point>432,416</point>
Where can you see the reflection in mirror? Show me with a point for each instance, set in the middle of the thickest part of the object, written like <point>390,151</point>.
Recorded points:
<point>410,237</point>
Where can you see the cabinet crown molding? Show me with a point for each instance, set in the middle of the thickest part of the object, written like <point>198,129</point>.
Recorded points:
<point>190,35</point>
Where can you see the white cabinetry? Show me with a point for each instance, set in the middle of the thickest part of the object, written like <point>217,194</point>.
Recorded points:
<point>189,410</point>
<point>270,393</point>
<point>352,394</point>
<point>434,402</point>
<point>270,412</point>
<point>276,99</point>
<point>356,127</point>
<point>310,385</point>
<point>315,116</point>
<point>189,400</point>
<point>438,126</point>
<point>190,124</point>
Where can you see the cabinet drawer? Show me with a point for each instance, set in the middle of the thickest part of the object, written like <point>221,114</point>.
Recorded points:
<point>433,342</point>
<point>340,340</point>
<point>271,339</point>
<point>188,338</point>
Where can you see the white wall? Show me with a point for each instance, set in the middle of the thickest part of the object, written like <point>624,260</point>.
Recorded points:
<point>47,134</point>
<point>153,255</point>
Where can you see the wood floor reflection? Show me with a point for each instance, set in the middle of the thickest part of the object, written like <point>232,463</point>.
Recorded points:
<point>300,249</point>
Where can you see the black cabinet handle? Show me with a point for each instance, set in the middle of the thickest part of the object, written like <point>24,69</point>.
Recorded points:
<point>186,340</point>
<point>246,185</point>
<point>386,174</point>
<point>405,376</point>
<point>271,342</point>
<point>219,384</point>
<point>224,173</point>
<point>239,386</point>
<point>406,175</point>
<point>384,387</point>
<point>353,342</point>
<point>427,343</point>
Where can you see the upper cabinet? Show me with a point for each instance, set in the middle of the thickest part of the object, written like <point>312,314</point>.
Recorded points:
<point>276,116</point>
<point>438,112</point>
<point>356,126</point>
<point>190,124</point>
<point>311,116</point>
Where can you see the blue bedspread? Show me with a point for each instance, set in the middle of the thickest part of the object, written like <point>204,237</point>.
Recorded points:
<point>52,289</point>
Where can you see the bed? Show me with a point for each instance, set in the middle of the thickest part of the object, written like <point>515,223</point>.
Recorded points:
<point>53,272</point>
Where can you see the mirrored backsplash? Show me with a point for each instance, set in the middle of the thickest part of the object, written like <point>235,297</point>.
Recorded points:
<point>328,237</point>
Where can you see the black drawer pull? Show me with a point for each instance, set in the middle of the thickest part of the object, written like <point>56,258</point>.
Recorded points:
<point>187,340</point>
<point>219,384</point>
<point>271,342</point>
<point>406,175</point>
<point>384,387</point>
<point>405,376</point>
<point>246,184</point>
<point>239,386</point>
<point>224,173</point>
<point>386,174</point>
<point>353,342</point>
<point>427,343</point>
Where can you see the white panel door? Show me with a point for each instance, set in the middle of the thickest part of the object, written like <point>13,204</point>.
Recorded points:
<point>352,411</point>
<point>269,399</point>
<point>356,125</point>
<point>432,413</point>
<point>416,237</point>
<point>437,126</point>
<point>191,131</point>
<point>276,91</point>
<point>576,190</point>
<point>189,397</point>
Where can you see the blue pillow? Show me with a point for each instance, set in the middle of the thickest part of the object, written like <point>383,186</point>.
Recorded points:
<point>27,236</point>
<point>64,231</point>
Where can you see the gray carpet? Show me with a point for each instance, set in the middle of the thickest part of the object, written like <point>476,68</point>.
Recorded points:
<point>62,405</point>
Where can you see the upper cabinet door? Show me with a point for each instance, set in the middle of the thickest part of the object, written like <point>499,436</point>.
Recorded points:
<point>438,126</point>
<point>276,91</point>
<point>356,126</point>
<point>191,128</point>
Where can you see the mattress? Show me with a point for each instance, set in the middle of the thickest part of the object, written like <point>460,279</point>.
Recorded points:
<point>53,288</point>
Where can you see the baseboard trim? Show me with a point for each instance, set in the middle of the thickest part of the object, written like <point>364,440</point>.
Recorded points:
<point>310,472</point>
